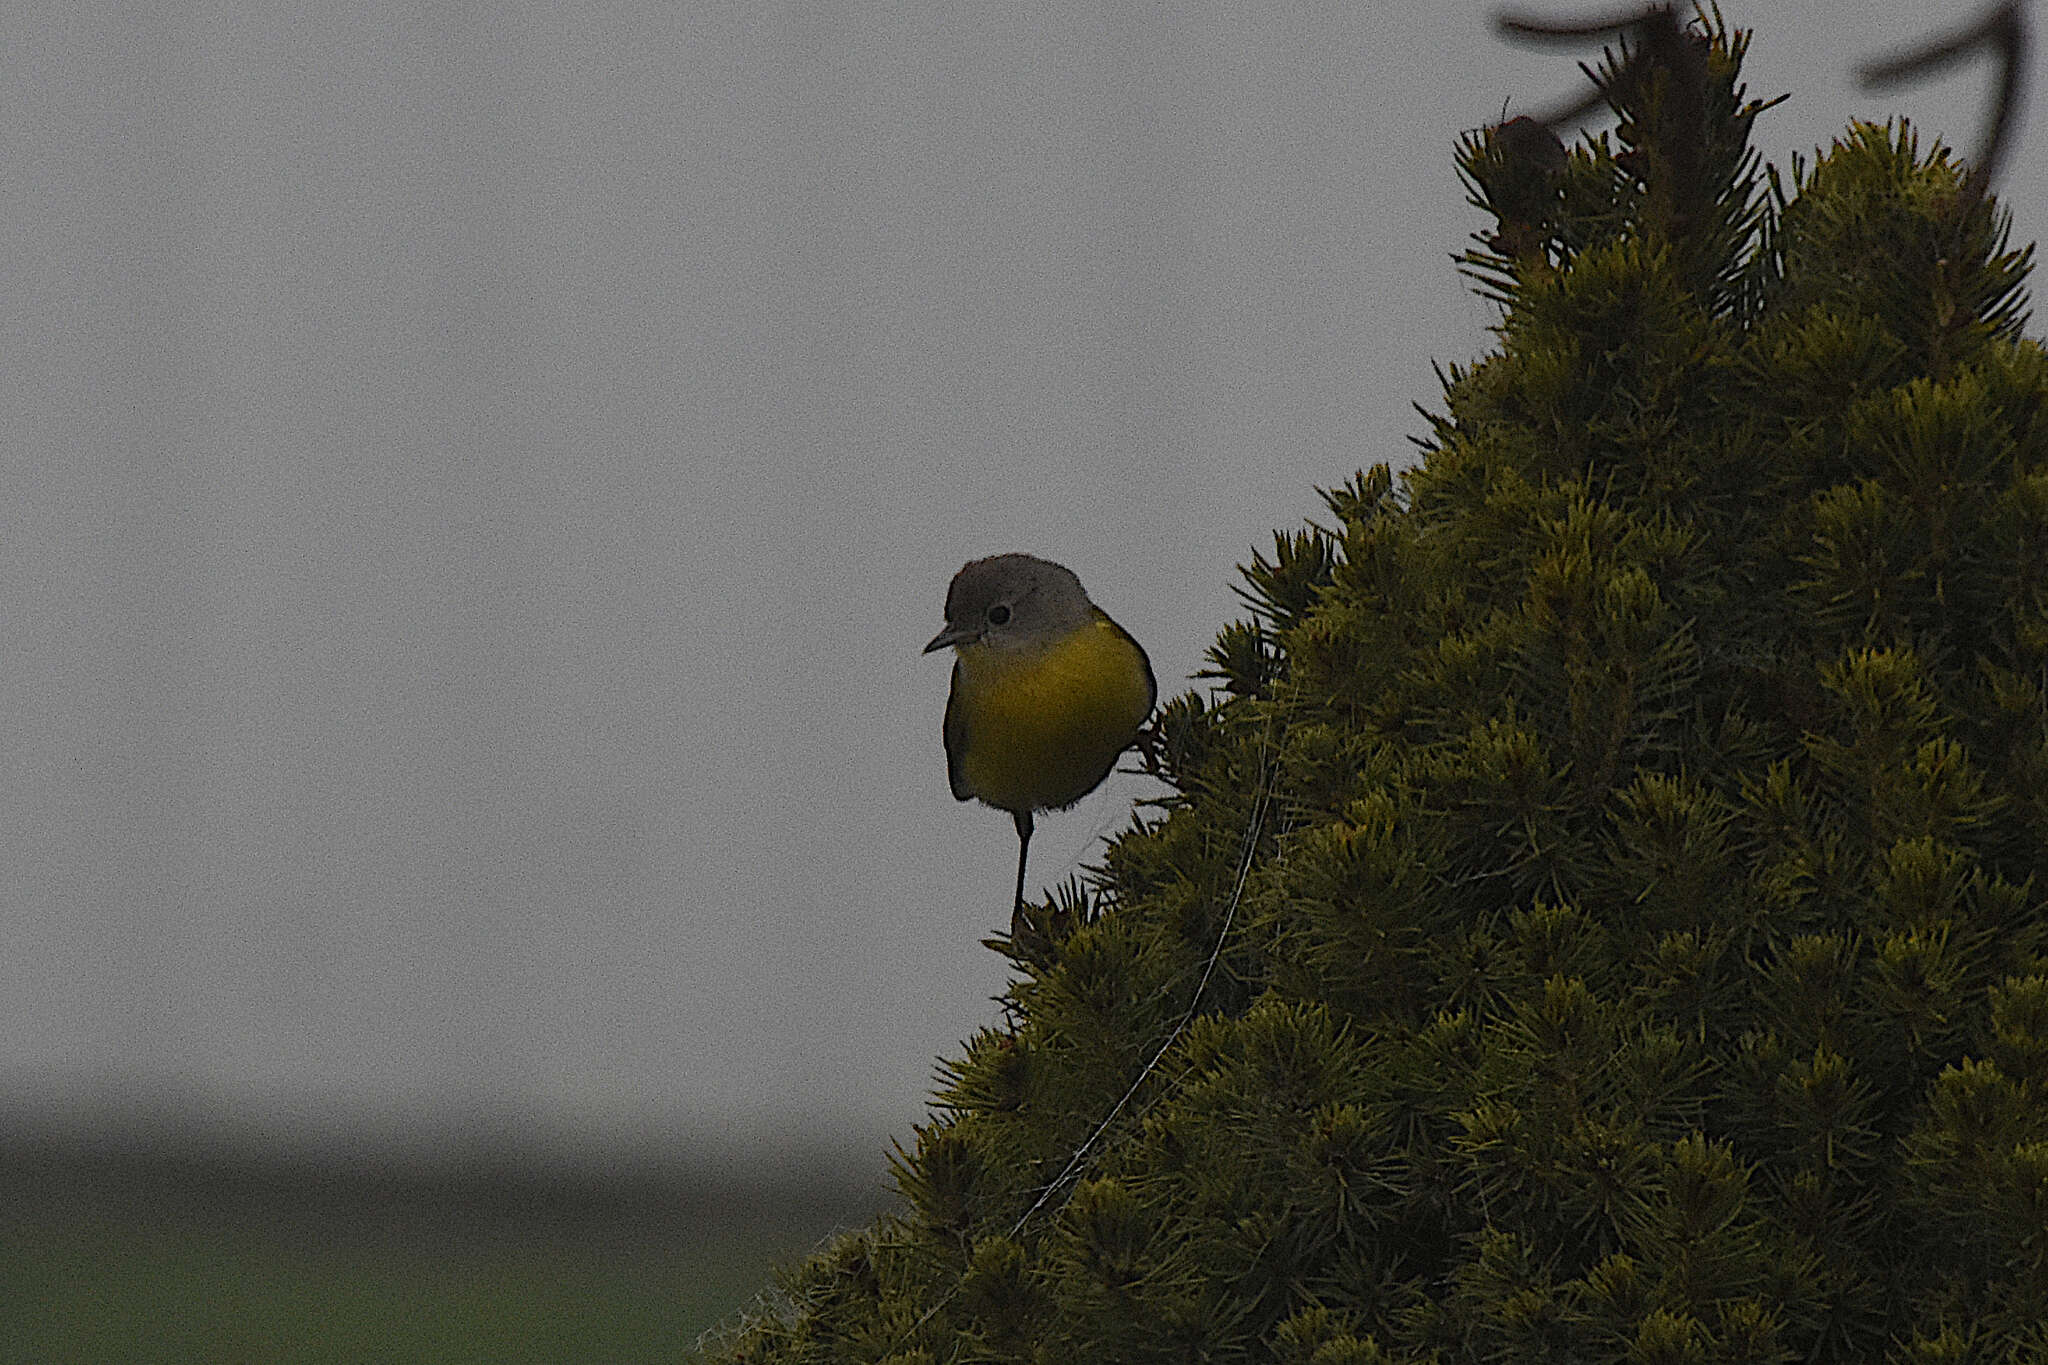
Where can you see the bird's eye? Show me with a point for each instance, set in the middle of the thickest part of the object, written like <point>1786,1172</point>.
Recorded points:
<point>999,615</point>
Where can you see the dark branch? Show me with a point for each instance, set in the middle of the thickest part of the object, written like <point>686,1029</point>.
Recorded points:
<point>2003,29</point>
<point>1652,39</point>
<point>1537,30</point>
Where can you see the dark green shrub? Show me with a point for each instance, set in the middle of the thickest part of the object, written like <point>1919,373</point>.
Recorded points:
<point>1625,835</point>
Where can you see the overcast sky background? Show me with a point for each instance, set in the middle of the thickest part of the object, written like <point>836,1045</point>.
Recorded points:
<point>478,480</point>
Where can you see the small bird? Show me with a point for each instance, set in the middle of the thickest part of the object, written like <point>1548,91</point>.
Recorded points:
<point>1047,690</point>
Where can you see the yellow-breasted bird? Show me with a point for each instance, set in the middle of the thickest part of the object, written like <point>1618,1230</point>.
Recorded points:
<point>1047,690</point>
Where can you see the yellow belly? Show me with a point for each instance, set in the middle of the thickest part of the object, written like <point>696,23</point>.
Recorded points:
<point>1043,727</point>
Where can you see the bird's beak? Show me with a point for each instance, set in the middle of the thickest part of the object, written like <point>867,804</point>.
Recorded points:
<point>951,635</point>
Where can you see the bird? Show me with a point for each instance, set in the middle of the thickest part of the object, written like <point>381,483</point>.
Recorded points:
<point>1047,690</point>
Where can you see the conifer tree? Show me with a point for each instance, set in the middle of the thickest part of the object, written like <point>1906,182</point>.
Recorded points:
<point>1599,915</point>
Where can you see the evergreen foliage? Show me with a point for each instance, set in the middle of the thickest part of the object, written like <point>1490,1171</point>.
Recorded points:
<point>1625,834</point>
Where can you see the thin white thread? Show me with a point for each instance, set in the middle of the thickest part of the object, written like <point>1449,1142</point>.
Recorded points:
<point>1244,867</point>
<point>1260,803</point>
<point>1117,811</point>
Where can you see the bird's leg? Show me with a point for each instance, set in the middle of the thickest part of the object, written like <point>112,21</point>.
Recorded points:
<point>1023,818</point>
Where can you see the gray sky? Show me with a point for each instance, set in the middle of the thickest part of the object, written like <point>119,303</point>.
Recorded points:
<point>478,481</point>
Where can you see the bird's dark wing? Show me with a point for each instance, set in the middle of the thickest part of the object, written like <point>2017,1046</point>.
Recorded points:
<point>1151,682</point>
<point>956,741</point>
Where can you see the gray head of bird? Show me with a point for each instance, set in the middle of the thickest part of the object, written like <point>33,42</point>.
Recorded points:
<point>1011,602</point>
